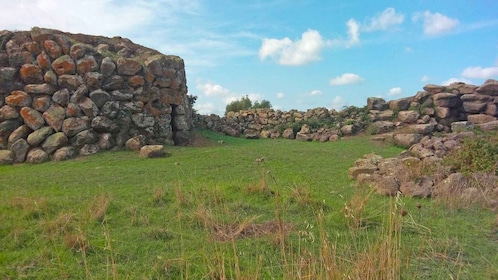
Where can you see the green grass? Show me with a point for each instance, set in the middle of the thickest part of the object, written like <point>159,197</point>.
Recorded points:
<point>214,212</point>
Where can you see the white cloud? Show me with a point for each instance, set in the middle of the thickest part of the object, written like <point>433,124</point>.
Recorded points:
<point>395,91</point>
<point>480,72</point>
<point>69,15</point>
<point>337,103</point>
<point>455,80</point>
<point>280,95</point>
<point>353,33</point>
<point>205,109</point>
<point>315,92</point>
<point>210,89</point>
<point>346,79</point>
<point>387,19</point>
<point>424,79</point>
<point>436,23</point>
<point>234,97</point>
<point>299,52</point>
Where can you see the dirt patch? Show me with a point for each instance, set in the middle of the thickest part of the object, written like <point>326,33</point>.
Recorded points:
<point>199,140</point>
<point>225,233</point>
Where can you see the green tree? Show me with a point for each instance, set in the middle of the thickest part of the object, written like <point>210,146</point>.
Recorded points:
<point>261,105</point>
<point>245,103</point>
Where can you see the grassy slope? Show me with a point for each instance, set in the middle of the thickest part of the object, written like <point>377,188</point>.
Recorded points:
<point>115,215</point>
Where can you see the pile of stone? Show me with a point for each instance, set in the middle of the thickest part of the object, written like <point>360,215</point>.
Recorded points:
<point>318,124</point>
<point>63,95</point>
<point>420,172</point>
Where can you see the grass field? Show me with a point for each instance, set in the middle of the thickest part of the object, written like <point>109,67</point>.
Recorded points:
<point>241,209</point>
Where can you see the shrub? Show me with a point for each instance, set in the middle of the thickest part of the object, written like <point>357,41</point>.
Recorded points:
<point>477,154</point>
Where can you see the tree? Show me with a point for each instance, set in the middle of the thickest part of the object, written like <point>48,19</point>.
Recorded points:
<point>245,103</point>
<point>263,104</point>
<point>191,102</point>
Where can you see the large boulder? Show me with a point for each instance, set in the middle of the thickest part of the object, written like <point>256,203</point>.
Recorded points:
<point>421,187</point>
<point>135,143</point>
<point>408,116</point>
<point>490,87</point>
<point>406,140</point>
<point>376,103</point>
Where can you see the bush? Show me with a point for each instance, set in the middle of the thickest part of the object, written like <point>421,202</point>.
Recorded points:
<point>477,154</point>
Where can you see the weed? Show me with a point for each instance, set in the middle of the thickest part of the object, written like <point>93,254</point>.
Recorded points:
<point>59,226</point>
<point>98,208</point>
<point>158,198</point>
<point>477,154</point>
<point>76,241</point>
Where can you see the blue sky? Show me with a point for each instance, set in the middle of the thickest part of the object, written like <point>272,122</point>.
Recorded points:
<point>297,54</point>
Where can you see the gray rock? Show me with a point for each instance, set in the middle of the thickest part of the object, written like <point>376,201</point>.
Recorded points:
<point>71,82</point>
<point>489,126</point>
<point>89,149</point>
<point>408,116</point>
<point>480,118</point>
<point>55,116</point>
<point>461,126</point>
<point>20,149</point>
<point>401,104</point>
<point>102,124</point>
<point>89,108</point>
<point>433,89</point>
<point>106,141</point>
<point>61,97</point>
<point>406,140</point>
<point>32,118</point>
<point>230,131</point>
<point>421,187</point>
<point>72,126</point>
<point>21,132</point>
<point>7,113</point>
<point>107,67</point>
<point>54,142</point>
<point>84,137</point>
<point>348,130</point>
<point>99,97</point>
<point>152,151</point>
<point>135,143</point>
<point>38,136</point>
<point>37,155</point>
<point>445,99</point>
<point>65,153</point>
<point>376,103</point>
<point>144,120</point>
<point>288,133</point>
<point>6,157</point>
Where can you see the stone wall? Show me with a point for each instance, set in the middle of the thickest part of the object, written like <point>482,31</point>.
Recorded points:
<point>458,106</point>
<point>63,95</point>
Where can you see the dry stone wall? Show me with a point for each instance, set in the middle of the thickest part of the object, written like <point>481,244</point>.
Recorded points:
<point>63,95</point>
<point>405,121</point>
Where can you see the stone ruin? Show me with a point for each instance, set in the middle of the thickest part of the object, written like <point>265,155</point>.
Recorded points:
<point>63,95</point>
<point>404,121</point>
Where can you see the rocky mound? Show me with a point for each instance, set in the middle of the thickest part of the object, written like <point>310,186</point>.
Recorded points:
<point>421,172</point>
